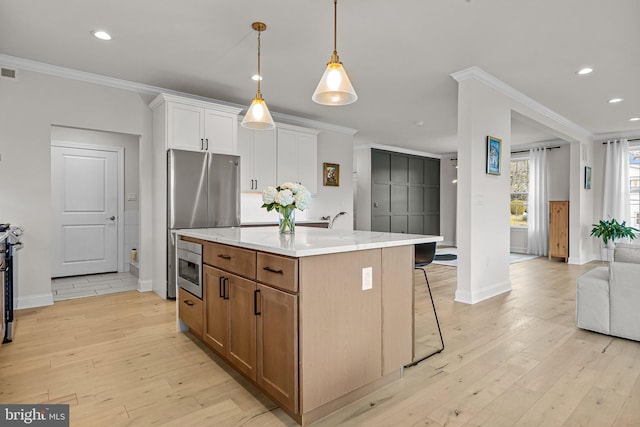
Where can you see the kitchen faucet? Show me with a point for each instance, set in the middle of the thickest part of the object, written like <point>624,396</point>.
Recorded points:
<point>336,217</point>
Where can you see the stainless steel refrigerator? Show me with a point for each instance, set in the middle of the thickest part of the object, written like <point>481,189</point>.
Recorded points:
<point>203,190</point>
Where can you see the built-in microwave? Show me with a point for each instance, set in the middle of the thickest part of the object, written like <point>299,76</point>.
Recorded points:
<point>189,267</point>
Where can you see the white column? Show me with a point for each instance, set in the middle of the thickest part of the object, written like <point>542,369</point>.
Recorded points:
<point>483,200</point>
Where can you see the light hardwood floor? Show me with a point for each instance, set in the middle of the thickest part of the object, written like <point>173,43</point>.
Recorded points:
<point>516,359</point>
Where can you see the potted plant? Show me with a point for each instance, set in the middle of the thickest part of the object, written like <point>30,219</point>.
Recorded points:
<point>611,230</point>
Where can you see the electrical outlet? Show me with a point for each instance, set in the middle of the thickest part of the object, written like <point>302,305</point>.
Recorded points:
<point>367,278</point>
<point>131,197</point>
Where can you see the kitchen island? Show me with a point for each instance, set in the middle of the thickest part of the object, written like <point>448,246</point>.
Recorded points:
<point>315,320</point>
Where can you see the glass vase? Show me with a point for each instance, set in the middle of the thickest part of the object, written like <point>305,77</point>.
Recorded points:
<point>287,221</point>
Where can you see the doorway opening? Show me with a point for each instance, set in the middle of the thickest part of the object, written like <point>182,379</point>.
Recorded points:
<point>95,213</point>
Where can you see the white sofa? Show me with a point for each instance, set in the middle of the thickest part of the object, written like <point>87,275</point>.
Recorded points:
<point>608,298</point>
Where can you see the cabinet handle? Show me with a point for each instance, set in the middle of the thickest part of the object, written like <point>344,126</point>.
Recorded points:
<point>255,302</point>
<point>206,140</point>
<point>220,287</point>
<point>188,302</point>
<point>224,256</point>
<point>271,270</point>
<point>256,184</point>
<point>201,143</point>
<point>226,288</point>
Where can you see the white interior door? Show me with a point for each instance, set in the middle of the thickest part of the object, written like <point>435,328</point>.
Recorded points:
<point>84,200</point>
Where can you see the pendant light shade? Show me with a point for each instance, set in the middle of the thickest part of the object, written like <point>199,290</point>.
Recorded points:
<point>258,116</point>
<point>334,88</point>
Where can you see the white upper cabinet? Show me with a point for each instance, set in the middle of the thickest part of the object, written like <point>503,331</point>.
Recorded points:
<point>298,157</point>
<point>197,125</point>
<point>257,151</point>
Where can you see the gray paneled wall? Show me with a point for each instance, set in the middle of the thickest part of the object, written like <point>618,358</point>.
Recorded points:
<point>405,193</point>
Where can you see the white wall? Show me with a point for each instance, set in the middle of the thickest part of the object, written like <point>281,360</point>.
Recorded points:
<point>131,175</point>
<point>29,106</point>
<point>333,147</point>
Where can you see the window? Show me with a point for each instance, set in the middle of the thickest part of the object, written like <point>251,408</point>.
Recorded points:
<point>519,173</point>
<point>634,186</point>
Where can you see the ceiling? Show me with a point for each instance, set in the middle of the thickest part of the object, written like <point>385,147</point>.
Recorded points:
<point>399,55</point>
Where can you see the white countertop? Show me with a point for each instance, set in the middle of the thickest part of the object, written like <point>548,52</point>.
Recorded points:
<point>306,241</point>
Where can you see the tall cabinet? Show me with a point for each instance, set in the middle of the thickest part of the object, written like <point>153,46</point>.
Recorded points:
<point>559,229</point>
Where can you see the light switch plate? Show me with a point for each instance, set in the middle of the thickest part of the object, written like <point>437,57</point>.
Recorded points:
<point>367,278</point>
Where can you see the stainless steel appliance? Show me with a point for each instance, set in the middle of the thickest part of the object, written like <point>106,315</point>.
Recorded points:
<point>189,267</point>
<point>7,254</point>
<point>203,190</point>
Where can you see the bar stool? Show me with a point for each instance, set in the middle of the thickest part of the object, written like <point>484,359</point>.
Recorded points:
<point>424,255</point>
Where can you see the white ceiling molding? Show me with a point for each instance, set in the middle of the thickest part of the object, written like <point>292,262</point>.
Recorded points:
<point>395,149</point>
<point>500,86</point>
<point>99,79</point>
<point>602,137</point>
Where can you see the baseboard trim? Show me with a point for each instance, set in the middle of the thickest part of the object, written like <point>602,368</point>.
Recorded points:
<point>33,301</point>
<point>483,294</point>
<point>145,285</point>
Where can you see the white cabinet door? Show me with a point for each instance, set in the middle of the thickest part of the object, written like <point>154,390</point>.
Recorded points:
<point>257,151</point>
<point>297,158</point>
<point>220,134</point>
<point>186,127</point>
<point>264,159</point>
<point>245,150</point>
<point>287,156</point>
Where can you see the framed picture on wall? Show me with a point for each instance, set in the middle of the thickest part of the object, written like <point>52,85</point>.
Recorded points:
<point>587,177</point>
<point>494,152</point>
<point>331,174</point>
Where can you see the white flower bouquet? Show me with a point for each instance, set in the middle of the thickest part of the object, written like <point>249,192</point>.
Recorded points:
<point>286,198</point>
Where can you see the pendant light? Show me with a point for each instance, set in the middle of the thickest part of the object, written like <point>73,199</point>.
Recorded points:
<point>334,87</point>
<point>258,116</point>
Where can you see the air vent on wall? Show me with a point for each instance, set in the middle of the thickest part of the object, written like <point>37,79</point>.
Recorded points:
<point>8,73</point>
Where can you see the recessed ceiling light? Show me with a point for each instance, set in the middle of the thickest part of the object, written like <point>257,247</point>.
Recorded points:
<point>102,35</point>
<point>585,70</point>
<point>256,77</point>
<point>615,100</point>
<point>634,119</point>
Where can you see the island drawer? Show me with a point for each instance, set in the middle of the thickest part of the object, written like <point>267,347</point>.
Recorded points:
<point>190,311</point>
<point>278,271</point>
<point>230,258</point>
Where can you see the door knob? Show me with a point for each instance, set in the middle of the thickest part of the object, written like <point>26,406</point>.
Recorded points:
<point>112,218</point>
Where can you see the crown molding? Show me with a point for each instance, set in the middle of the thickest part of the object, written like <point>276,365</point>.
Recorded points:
<point>632,134</point>
<point>478,74</point>
<point>99,79</point>
<point>395,149</point>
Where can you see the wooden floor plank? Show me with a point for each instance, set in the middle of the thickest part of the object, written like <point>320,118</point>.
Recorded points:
<point>516,359</point>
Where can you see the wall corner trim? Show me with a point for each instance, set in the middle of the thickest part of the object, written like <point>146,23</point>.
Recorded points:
<point>479,74</point>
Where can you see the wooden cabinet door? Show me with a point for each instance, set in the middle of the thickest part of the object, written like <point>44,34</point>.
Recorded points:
<point>559,229</point>
<point>216,307</point>
<point>242,325</point>
<point>220,132</point>
<point>278,346</point>
<point>185,127</point>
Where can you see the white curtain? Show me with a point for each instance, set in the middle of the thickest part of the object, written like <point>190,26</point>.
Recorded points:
<point>615,204</point>
<point>538,206</point>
